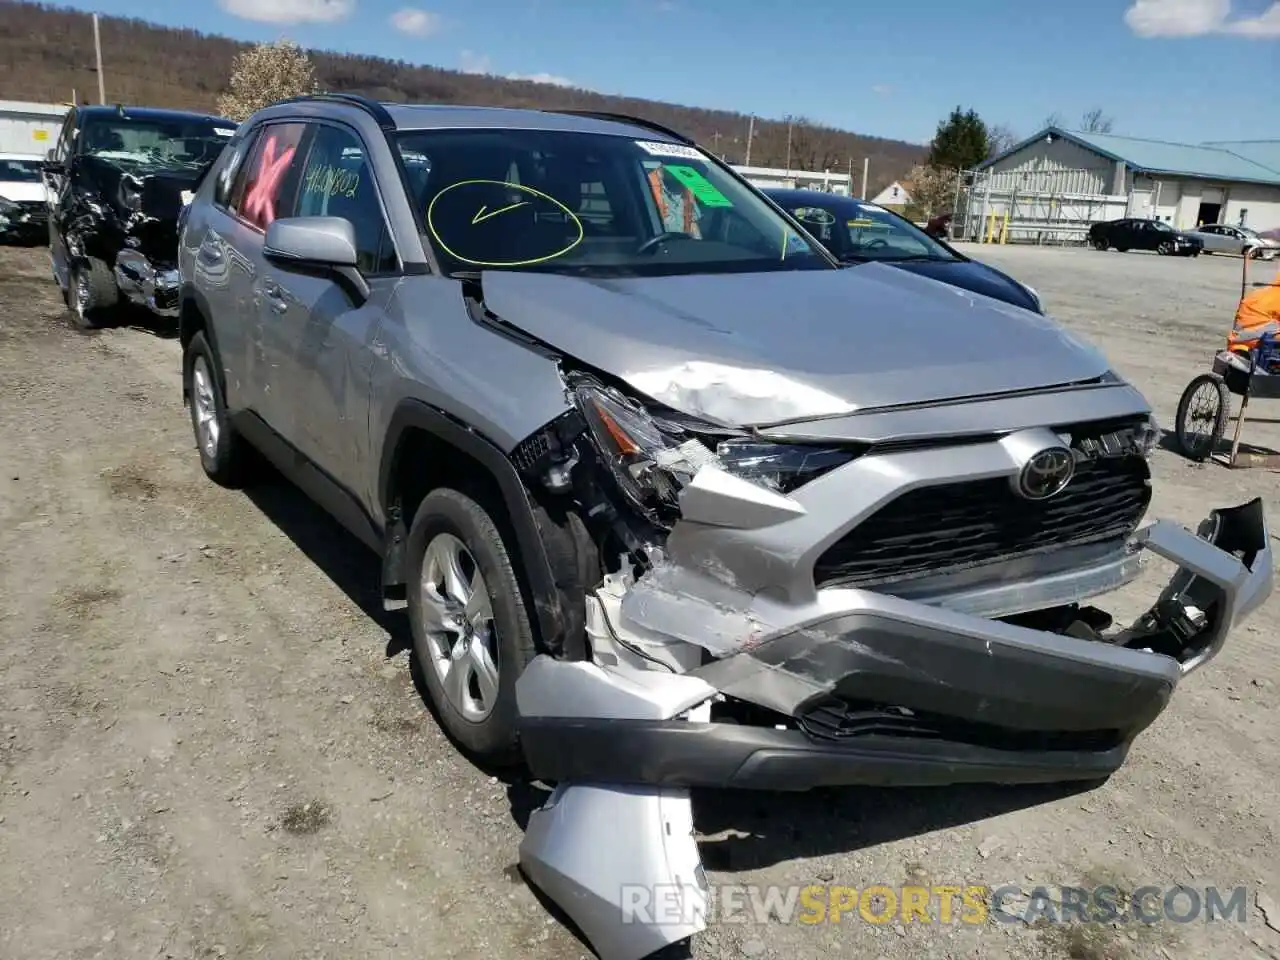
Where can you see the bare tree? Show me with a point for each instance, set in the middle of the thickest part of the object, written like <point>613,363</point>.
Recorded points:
<point>263,74</point>
<point>1095,121</point>
<point>999,139</point>
<point>1053,120</point>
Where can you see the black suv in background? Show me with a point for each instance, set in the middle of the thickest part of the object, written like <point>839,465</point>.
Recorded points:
<point>119,178</point>
<point>1132,234</point>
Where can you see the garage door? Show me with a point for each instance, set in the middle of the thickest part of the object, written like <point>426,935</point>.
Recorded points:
<point>1212,195</point>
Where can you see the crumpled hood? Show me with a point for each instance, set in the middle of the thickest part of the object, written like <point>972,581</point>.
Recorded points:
<point>751,349</point>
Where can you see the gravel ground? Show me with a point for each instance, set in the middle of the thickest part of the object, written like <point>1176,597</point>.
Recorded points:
<point>210,744</point>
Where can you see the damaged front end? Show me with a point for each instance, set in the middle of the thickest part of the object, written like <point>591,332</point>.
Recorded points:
<point>787,613</point>
<point>127,217</point>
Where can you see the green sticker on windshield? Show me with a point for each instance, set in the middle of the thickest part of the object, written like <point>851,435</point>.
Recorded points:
<point>703,189</point>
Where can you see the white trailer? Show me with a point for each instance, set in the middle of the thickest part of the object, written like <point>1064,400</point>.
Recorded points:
<point>29,128</point>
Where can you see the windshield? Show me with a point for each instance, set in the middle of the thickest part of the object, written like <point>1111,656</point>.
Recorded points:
<point>1248,231</point>
<point>1161,225</point>
<point>591,204</point>
<point>173,142</point>
<point>20,171</point>
<point>856,232</point>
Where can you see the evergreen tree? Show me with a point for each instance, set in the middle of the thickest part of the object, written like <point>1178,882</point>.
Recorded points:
<point>961,142</point>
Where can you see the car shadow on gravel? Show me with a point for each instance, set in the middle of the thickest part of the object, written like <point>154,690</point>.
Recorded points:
<point>339,555</point>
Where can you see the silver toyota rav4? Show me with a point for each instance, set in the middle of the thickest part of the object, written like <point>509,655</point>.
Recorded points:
<point>674,499</point>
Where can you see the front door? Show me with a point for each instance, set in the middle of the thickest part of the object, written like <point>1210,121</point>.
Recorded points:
<point>57,187</point>
<point>324,335</point>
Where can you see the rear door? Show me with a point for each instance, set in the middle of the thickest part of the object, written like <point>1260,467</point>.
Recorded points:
<point>324,337</point>
<point>265,185</point>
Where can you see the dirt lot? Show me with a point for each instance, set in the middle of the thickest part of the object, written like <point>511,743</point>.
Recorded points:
<point>210,745</point>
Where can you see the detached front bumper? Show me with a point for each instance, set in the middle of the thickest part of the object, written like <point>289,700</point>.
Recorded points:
<point>881,690</point>
<point>150,285</point>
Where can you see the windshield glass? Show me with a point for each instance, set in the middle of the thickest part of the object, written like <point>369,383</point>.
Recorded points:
<point>856,231</point>
<point>591,204</point>
<point>20,171</point>
<point>1248,231</point>
<point>173,142</point>
<point>1161,225</point>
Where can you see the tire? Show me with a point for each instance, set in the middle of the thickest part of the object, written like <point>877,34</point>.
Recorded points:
<point>91,294</point>
<point>1101,245</point>
<point>224,454</point>
<point>452,531</point>
<point>1200,446</point>
<point>1164,248</point>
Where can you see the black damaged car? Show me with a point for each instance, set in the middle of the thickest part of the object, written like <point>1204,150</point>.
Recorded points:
<point>119,178</point>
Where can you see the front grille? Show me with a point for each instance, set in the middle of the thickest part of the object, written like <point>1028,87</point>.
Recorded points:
<point>836,719</point>
<point>939,530</point>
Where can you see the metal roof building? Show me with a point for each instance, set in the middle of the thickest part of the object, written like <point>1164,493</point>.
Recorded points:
<point>1101,176</point>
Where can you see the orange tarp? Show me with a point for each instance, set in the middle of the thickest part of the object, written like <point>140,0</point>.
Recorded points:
<point>1258,313</point>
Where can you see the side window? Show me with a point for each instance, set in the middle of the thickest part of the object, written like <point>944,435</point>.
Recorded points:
<point>265,186</point>
<point>232,173</point>
<point>338,182</point>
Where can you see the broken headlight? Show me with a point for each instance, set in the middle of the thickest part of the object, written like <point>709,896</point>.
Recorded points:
<point>652,459</point>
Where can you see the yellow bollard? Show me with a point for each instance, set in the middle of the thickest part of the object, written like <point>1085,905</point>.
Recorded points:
<point>991,227</point>
<point>1004,229</point>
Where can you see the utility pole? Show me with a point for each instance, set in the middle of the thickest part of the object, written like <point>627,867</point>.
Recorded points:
<point>851,176</point>
<point>790,123</point>
<point>715,143</point>
<point>97,49</point>
<point>866,162</point>
<point>751,132</point>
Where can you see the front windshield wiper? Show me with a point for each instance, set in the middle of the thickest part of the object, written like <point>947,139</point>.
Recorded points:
<point>920,258</point>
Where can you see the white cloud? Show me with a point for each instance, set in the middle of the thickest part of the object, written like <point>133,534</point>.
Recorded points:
<point>881,88</point>
<point>542,78</point>
<point>1197,18</point>
<point>290,11</point>
<point>417,23</point>
<point>471,62</point>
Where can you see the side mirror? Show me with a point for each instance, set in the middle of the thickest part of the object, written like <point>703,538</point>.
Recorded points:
<point>317,245</point>
<point>53,166</point>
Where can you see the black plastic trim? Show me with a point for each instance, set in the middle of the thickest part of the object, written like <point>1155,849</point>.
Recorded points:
<point>413,414</point>
<point>627,119</point>
<point>677,753</point>
<point>380,114</point>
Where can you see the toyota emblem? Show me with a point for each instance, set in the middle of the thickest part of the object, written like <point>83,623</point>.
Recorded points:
<point>1046,474</point>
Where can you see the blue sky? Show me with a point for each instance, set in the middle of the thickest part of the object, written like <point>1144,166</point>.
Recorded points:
<point>1168,69</point>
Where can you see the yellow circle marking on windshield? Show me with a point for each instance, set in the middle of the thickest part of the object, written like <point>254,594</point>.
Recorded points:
<point>482,214</point>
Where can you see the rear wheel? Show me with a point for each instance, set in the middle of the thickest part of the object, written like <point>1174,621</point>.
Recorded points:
<point>1100,244</point>
<point>224,454</point>
<point>471,633</point>
<point>1202,416</point>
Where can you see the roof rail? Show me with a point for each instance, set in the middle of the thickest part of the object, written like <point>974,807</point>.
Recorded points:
<point>376,110</point>
<point>626,118</point>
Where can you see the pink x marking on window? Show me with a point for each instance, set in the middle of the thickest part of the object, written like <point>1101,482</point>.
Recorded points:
<point>260,203</point>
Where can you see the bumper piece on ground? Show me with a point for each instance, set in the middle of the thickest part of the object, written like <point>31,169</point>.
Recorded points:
<point>612,857</point>
<point>146,284</point>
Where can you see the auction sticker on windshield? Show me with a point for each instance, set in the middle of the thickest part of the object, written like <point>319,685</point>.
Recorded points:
<point>658,149</point>
<point>703,189</point>
<point>224,131</point>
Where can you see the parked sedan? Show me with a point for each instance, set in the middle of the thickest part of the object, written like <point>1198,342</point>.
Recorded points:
<point>1225,238</point>
<point>858,232</point>
<point>1135,234</point>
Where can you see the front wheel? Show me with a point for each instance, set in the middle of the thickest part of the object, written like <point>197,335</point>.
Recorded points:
<point>1100,245</point>
<point>1165,248</point>
<point>1201,420</point>
<point>91,294</point>
<point>471,632</point>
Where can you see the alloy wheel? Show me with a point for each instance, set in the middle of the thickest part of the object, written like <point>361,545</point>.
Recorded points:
<point>460,639</point>
<point>205,407</point>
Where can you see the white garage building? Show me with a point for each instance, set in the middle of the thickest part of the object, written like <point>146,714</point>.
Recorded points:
<point>1050,187</point>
